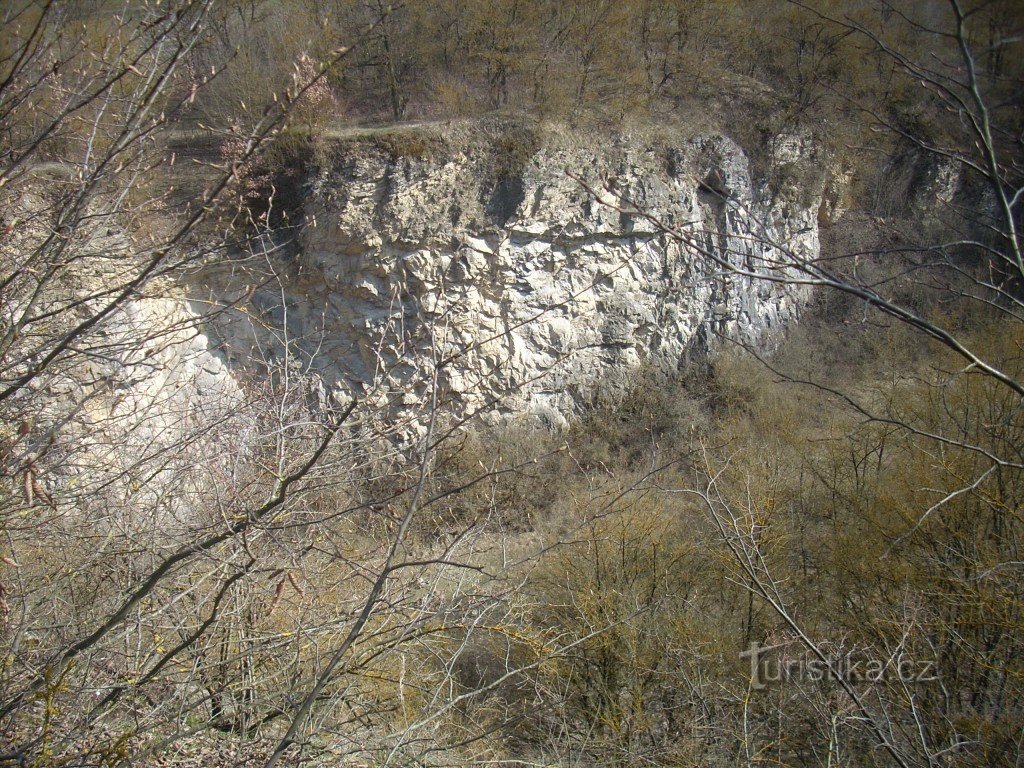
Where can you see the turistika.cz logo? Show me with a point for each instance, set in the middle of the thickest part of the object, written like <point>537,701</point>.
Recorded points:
<point>767,667</point>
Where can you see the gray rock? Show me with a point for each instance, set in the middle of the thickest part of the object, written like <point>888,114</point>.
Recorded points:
<point>412,265</point>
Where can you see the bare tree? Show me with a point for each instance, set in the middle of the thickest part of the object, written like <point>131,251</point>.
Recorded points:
<point>945,271</point>
<point>121,423</point>
<point>200,564</point>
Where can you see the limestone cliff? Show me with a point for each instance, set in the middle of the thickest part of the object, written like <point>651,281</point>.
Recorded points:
<point>512,266</point>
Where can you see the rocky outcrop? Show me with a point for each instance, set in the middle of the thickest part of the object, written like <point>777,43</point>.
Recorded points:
<point>522,271</point>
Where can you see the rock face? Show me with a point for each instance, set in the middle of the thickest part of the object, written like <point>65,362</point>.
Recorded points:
<point>521,273</point>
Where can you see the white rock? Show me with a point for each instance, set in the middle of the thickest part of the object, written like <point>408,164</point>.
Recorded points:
<point>566,276</point>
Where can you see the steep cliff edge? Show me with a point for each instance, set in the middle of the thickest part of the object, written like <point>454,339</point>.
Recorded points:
<point>511,267</point>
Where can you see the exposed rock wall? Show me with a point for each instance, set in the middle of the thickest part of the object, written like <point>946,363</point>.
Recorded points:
<point>489,264</point>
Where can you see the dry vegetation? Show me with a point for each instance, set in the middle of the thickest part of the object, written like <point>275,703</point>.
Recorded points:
<point>255,574</point>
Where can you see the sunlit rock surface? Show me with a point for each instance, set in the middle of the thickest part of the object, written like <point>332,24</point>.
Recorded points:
<point>517,274</point>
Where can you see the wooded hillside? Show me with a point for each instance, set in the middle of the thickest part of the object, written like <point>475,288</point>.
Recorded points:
<point>801,553</point>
